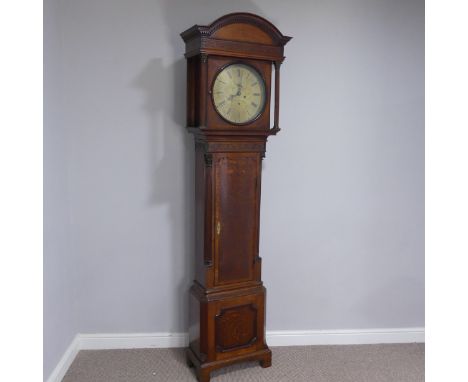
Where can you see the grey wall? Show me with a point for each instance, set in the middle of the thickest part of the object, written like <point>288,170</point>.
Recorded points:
<point>59,322</point>
<point>343,187</point>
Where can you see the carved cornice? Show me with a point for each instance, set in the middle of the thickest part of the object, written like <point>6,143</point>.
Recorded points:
<point>242,17</point>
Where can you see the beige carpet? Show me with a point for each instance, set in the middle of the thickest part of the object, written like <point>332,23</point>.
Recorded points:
<point>351,363</point>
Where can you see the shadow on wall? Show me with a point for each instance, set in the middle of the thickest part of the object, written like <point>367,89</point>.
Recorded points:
<point>164,85</point>
<point>172,172</point>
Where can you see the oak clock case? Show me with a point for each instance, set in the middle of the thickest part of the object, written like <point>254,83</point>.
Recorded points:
<point>229,80</point>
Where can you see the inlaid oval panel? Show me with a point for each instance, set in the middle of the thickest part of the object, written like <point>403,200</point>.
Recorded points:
<point>236,328</point>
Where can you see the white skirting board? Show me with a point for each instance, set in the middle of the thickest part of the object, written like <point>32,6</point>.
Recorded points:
<point>59,372</point>
<point>274,338</point>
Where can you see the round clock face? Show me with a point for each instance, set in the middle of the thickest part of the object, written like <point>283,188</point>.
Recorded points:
<point>239,93</point>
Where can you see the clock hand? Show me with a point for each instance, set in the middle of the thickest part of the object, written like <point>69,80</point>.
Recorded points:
<point>233,95</point>
<point>239,87</point>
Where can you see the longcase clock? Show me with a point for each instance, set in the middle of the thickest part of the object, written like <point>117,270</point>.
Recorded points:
<point>230,65</point>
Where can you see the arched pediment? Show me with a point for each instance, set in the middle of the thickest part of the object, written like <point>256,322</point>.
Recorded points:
<point>243,27</point>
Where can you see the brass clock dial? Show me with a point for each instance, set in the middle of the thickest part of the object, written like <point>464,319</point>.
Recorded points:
<point>239,93</point>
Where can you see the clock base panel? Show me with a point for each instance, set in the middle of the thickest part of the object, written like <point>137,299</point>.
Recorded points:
<point>227,326</point>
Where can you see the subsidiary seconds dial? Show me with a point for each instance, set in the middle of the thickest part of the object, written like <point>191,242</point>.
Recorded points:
<point>239,93</point>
